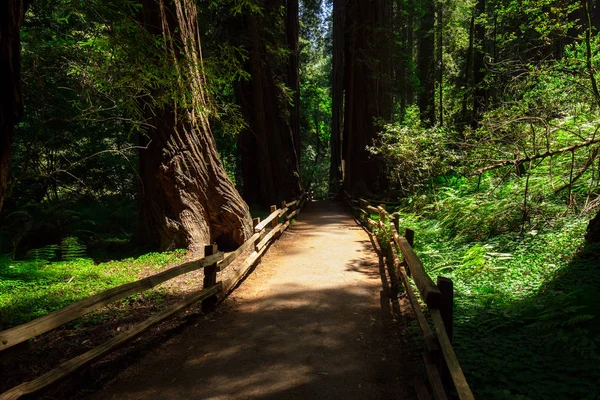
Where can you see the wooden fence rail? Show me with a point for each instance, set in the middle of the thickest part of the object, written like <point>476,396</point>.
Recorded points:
<point>441,363</point>
<point>212,263</point>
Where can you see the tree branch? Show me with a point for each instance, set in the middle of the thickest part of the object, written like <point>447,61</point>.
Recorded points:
<point>518,161</point>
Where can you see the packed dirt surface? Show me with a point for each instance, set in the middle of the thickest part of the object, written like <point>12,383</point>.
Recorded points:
<point>312,321</point>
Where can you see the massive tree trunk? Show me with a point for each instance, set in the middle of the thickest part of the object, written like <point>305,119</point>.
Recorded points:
<point>427,64</point>
<point>269,157</point>
<point>186,198</point>
<point>337,98</point>
<point>367,95</point>
<point>12,13</point>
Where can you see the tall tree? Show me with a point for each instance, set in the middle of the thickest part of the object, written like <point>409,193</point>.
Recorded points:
<point>367,94</point>
<point>337,99</point>
<point>12,13</point>
<point>269,156</point>
<point>186,198</point>
<point>480,93</point>
<point>427,63</point>
<point>292,27</point>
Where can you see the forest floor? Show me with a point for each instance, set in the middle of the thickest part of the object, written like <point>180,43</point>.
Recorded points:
<point>312,321</point>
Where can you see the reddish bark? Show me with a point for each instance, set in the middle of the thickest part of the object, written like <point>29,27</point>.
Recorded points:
<point>293,72</point>
<point>12,13</point>
<point>337,99</point>
<point>268,149</point>
<point>186,198</point>
<point>427,64</point>
<point>367,94</point>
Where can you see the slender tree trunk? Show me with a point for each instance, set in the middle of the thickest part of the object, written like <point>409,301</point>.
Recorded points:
<point>403,58</point>
<point>12,13</point>
<point>186,198</point>
<point>467,77</point>
<point>440,58</point>
<point>480,93</point>
<point>410,49</point>
<point>427,64</point>
<point>293,72</point>
<point>587,23</point>
<point>337,98</point>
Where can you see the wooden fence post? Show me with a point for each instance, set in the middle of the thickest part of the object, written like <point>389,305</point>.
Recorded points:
<point>446,308</point>
<point>410,237</point>
<point>255,222</point>
<point>409,234</point>
<point>275,220</point>
<point>397,223</point>
<point>210,278</point>
<point>446,287</point>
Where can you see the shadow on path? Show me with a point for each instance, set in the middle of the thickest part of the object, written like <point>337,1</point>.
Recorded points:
<point>311,322</point>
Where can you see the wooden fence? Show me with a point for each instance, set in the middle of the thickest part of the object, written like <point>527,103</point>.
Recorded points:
<point>440,361</point>
<point>265,232</point>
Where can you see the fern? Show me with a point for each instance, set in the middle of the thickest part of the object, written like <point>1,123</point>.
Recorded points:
<point>71,248</point>
<point>42,254</point>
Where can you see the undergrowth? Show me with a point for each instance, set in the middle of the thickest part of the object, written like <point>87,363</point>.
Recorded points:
<point>527,324</point>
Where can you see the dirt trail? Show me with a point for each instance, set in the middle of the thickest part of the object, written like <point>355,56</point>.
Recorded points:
<point>311,322</point>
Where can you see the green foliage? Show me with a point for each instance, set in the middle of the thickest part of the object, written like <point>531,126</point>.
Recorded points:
<point>527,323</point>
<point>71,249</point>
<point>413,154</point>
<point>43,254</point>
<point>36,287</point>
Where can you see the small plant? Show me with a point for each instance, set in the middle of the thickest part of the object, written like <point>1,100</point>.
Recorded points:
<point>71,248</point>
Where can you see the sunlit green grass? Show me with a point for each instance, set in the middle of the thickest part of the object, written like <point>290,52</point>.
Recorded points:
<point>30,289</point>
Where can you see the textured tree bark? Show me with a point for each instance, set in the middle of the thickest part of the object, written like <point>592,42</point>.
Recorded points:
<point>337,98</point>
<point>427,64</point>
<point>292,27</point>
<point>12,13</point>
<point>367,95</point>
<point>269,158</point>
<point>186,198</point>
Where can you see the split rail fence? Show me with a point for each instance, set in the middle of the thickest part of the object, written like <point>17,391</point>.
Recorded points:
<point>265,232</point>
<point>441,363</point>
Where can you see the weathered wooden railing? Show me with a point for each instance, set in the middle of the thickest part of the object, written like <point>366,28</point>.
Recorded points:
<point>213,262</point>
<point>441,363</point>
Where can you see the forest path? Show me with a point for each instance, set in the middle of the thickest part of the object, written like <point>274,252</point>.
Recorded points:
<point>311,322</point>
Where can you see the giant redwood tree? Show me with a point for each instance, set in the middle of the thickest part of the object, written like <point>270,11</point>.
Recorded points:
<point>268,145</point>
<point>186,198</point>
<point>367,87</point>
<point>12,13</point>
